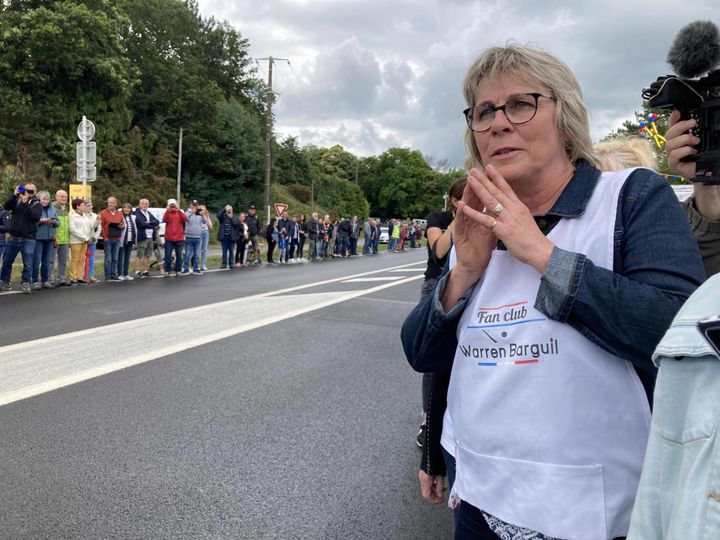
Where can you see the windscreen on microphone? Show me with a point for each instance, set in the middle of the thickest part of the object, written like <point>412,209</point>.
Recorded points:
<point>696,49</point>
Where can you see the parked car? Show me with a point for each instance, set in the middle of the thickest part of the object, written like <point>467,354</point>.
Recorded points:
<point>384,236</point>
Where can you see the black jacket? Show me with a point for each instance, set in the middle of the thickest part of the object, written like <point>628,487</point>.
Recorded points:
<point>315,230</point>
<point>24,218</point>
<point>345,228</point>
<point>253,225</point>
<point>234,225</point>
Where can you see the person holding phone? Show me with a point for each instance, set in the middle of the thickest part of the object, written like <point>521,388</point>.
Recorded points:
<point>227,234</point>
<point>174,236</point>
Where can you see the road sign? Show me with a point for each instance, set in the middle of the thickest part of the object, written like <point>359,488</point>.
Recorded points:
<point>81,156</point>
<point>86,130</point>
<point>86,174</point>
<point>280,208</point>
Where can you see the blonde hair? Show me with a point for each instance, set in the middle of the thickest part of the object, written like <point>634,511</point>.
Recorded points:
<point>625,153</point>
<point>533,66</point>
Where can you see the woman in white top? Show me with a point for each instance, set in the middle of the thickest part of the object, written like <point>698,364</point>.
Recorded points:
<point>82,228</point>
<point>563,281</point>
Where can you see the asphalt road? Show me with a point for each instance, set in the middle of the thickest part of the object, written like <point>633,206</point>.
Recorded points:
<point>261,403</point>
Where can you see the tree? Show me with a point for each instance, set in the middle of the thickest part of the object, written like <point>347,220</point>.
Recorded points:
<point>290,163</point>
<point>58,61</point>
<point>403,180</point>
<point>334,161</point>
<point>631,128</point>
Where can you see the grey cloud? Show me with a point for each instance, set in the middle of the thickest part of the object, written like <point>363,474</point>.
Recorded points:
<point>374,73</point>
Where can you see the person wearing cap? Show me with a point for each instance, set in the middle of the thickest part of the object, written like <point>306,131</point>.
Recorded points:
<point>193,237</point>
<point>253,229</point>
<point>174,221</point>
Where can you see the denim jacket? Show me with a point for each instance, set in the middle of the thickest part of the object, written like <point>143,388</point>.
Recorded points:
<point>625,311</point>
<point>46,231</point>
<point>679,493</point>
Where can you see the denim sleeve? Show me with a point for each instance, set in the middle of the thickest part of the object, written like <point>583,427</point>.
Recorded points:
<point>429,335</point>
<point>656,267</point>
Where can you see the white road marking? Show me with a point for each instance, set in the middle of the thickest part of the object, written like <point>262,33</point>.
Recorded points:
<point>46,364</point>
<point>371,279</point>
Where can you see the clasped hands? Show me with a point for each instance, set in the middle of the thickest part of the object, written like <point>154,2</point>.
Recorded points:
<point>490,211</point>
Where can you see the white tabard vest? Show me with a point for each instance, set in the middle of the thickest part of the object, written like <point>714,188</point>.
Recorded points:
<point>549,430</point>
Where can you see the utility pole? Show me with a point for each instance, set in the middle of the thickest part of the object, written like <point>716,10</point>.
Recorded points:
<point>179,166</point>
<point>268,136</point>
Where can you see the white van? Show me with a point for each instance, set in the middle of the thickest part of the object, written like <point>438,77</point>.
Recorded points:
<point>158,213</point>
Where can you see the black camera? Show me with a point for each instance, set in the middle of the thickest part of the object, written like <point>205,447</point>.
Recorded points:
<point>696,50</point>
<point>698,99</point>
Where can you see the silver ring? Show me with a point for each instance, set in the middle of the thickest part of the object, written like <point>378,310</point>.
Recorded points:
<point>492,225</point>
<point>498,208</point>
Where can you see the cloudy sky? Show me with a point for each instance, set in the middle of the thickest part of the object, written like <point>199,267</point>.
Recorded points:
<point>371,74</point>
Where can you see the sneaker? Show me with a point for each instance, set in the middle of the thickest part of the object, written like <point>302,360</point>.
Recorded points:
<point>420,439</point>
<point>48,285</point>
<point>178,274</point>
<point>115,279</point>
<point>37,286</point>
<point>185,272</point>
<point>198,272</point>
<point>26,288</point>
<point>129,278</point>
<point>205,268</point>
<point>73,283</point>
<point>5,286</point>
<point>146,274</point>
<point>223,266</point>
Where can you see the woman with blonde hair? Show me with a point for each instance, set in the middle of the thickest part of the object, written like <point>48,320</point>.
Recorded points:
<point>563,280</point>
<point>625,153</point>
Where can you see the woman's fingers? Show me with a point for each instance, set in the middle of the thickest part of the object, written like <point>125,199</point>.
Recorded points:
<point>498,181</point>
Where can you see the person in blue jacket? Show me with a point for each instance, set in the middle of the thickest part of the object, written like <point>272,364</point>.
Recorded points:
<point>44,243</point>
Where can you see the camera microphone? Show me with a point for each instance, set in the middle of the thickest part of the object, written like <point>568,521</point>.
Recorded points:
<point>696,49</point>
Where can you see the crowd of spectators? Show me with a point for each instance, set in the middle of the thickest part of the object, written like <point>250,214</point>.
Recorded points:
<point>60,239</point>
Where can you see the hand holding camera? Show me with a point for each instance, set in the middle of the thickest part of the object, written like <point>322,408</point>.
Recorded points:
<point>693,141</point>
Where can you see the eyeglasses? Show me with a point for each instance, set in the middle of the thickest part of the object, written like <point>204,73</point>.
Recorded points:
<point>519,109</point>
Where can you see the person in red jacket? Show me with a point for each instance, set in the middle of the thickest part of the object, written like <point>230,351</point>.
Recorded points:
<point>174,236</point>
<point>112,224</point>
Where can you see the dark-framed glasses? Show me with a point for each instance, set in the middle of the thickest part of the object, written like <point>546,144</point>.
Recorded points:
<point>518,109</point>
